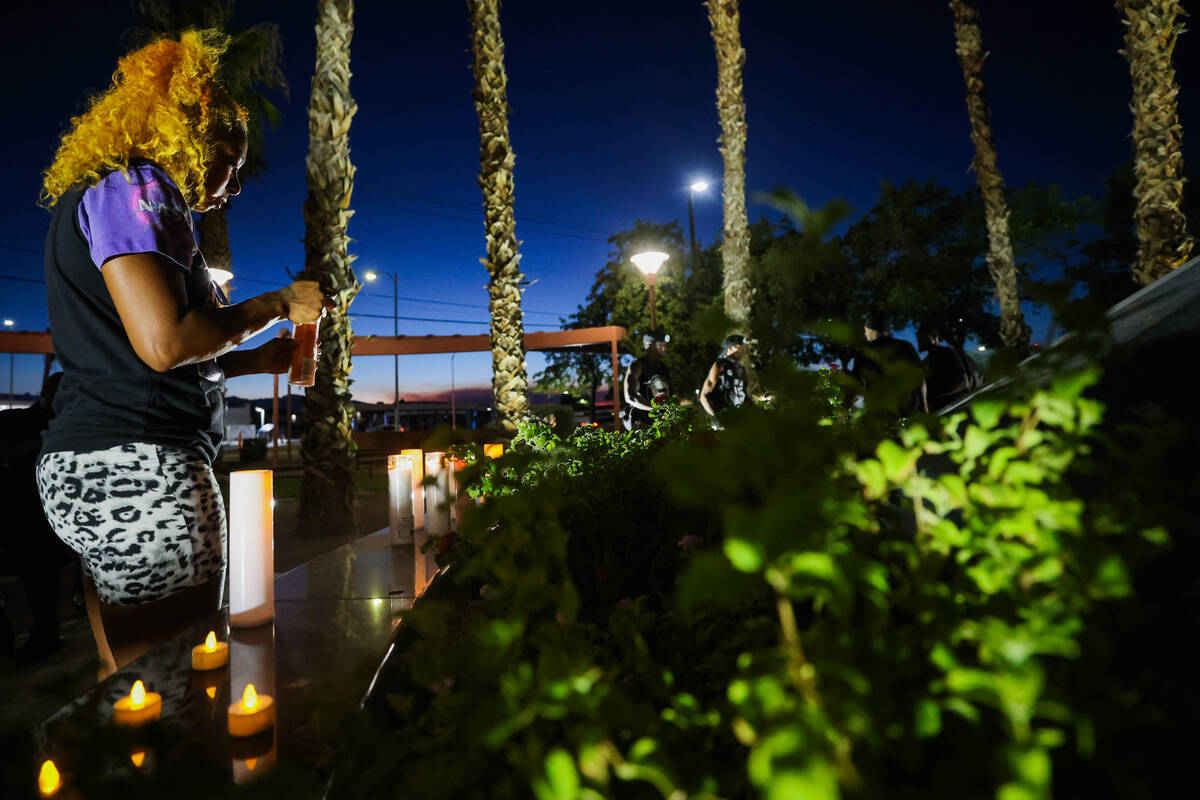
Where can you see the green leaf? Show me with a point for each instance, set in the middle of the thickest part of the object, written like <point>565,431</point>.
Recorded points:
<point>987,413</point>
<point>897,462</point>
<point>818,566</point>
<point>562,776</point>
<point>928,719</point>
<point>815,781</point>
<point>871,475</point>
<point>743,555</point>
<point>642,749</point>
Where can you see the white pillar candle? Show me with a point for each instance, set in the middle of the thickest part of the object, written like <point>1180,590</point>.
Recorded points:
<point>418,475</point>
<point>251,548</point>
<point>400,498</point>
<point>437,495</point>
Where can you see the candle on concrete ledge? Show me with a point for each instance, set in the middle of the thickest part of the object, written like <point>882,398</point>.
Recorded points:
<point>251,548</point>
<point>418,475</point>
<point>400,498</point>
<point>254,713</point>
<point>139,707</point>
<point>437,495</point>
<point>210,655</point>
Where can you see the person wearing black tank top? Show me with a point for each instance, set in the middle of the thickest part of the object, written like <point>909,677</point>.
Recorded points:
<point>146,340</point>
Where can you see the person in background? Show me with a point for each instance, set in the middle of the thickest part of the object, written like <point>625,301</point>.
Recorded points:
<point>949,376</point>
<point>146,340</point>
<point>648,379</point>
<point>725,385</point>
<point>888,370</point>
<point>26,539</point>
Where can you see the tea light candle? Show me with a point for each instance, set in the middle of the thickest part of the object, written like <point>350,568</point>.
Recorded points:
<point>49,781</point>
<point>139,707</point>
<point>210,655</point>
<point>254,713</point>
<point>418,475</point>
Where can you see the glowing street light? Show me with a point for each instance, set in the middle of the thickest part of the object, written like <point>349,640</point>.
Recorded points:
<point>8,323</point>
<point>372,275</point>
<point>649,262</point>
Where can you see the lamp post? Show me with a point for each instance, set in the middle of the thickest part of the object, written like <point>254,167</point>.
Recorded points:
<point>698,186</point>
<point>373,275</point>
<point>8,323</point>
<point>453,412</point>
<point>649,262</point>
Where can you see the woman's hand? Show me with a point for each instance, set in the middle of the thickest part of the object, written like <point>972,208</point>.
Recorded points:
<point>304,302</point>
<point>275,357</point>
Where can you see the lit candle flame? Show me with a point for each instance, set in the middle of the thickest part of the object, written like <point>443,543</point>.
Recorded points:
<point>251,763</point>
<point>138,758</point>
<point>249,697</point>
<point>210,643</point>
<point>211,691</point>
<point>137,697</point>
<point>49,780</point>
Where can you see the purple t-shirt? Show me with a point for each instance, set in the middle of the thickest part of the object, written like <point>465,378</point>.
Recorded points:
<point>144,214</point>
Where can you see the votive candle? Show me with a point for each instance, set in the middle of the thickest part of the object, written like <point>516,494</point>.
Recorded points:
<point>139,707</point>
<point>210,655</point>
<point>254,713</point>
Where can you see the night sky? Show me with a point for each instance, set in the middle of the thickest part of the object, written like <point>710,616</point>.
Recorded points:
<point>613,116</point>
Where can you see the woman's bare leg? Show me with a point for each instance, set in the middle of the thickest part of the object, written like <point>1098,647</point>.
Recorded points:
<point>91,601</point>
<point>133,630</point>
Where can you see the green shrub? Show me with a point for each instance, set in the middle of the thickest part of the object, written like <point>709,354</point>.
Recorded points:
<point>795,607</point>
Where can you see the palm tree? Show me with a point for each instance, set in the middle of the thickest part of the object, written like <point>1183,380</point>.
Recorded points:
<point>327,489</point>
<point>510,385</point>
<point>1151,30</point>
<point>249,69</point>
<point>725,18</point>
<point>1014,332</point>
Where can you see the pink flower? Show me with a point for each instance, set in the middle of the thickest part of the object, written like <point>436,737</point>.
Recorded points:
<point>625,603</point>
<point>688,542</point>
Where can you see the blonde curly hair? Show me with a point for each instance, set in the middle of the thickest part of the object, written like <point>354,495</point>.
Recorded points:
<point>164,105</point>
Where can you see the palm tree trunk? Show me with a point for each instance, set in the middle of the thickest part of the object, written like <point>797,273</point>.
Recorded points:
<point>1151,30</point>
<point>214,236</point>
<point>510,385</point>
<point>725,19</point>
<point>327,489</point>
<point>1014,332</point>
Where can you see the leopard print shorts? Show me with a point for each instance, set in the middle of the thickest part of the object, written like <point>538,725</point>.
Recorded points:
<point>147,520</point>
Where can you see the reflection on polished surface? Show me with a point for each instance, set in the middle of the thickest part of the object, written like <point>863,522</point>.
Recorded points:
<point>333,617</point>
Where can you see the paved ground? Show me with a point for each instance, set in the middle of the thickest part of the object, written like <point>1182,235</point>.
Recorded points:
<point>29,694</point>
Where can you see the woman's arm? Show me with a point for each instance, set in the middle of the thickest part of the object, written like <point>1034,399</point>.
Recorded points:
<point>151,299</point>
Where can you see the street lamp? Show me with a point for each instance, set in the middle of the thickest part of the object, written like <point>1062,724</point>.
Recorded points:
<point>649,262</point>
<point>371,276</point>
<point>698,186</point>
<point>8,323</point>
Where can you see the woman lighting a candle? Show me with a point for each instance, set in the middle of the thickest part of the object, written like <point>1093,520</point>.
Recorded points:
<point>146,340</point>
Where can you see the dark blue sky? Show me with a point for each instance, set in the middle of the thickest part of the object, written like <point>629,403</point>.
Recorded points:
<point>613,116</point>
